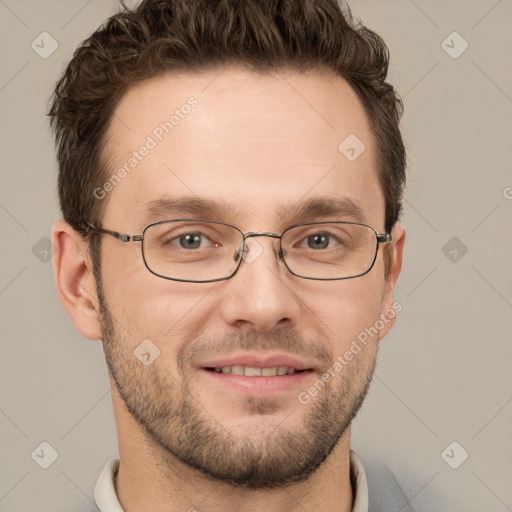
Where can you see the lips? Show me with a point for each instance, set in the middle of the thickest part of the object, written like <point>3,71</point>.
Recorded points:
<point>255,371</point>
<point>254,365</point>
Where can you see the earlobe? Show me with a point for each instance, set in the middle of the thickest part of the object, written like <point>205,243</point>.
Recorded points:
<point>388,311</point>
<point>74,280</point>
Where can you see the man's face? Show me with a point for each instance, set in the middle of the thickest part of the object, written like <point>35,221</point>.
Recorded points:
<point>257,146</point>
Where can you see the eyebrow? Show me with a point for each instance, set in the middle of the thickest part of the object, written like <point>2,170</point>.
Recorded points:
<point>326,207</point>
<point>220,210</point>
<point>188,205</point>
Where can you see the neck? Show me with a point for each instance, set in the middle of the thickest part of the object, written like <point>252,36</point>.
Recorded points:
<point>151,478</point>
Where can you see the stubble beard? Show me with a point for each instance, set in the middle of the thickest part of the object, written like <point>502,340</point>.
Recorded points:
<point>179,427</point>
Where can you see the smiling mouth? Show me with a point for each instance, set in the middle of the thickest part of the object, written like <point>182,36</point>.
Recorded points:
<point>253,371</point>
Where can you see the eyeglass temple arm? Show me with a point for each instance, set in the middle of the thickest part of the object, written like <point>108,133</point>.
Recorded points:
<point>120,236</point>
<point>385,237</point>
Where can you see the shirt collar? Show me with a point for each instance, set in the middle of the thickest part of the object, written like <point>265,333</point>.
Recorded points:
<point>106,498</point>
<point>359,484</point>
<point>104,491</point>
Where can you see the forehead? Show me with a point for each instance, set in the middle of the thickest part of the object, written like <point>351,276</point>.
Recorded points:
<point>254,142</point>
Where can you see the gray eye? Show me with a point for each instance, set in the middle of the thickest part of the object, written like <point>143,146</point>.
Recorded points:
<point>318,241</point>
<point>190,241</point>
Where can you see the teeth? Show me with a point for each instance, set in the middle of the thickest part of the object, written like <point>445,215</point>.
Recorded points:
<point>252,371</point>
<point>236,370</point>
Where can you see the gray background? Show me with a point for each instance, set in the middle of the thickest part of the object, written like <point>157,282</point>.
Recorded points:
<point>444,371</point>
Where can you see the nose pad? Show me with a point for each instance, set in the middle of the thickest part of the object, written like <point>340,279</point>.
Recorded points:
<point>239,252</point>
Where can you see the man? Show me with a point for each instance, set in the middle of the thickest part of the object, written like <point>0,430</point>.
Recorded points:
<point>230,176</point>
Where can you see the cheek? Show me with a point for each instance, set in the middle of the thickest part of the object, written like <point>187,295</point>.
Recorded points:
<point>148,307</point>
<point>346,309</point>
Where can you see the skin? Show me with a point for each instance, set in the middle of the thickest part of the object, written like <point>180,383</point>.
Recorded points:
<point>259,143</point>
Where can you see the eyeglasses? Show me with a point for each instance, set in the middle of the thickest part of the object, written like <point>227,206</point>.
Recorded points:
<point>204,251</point>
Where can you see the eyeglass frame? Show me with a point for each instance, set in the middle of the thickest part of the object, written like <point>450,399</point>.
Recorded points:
<point>124,237</point>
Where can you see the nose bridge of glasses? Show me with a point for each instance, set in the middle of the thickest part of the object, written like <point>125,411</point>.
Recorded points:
<point>253,234</point>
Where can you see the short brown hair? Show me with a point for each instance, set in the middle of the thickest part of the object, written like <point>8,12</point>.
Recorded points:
<point>193,35</point>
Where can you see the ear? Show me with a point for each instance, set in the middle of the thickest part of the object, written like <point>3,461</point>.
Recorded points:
<point>74,278</point>
<point>388,310</point>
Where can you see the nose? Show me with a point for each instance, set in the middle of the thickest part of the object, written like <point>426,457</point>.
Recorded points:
<point>261,294</point>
